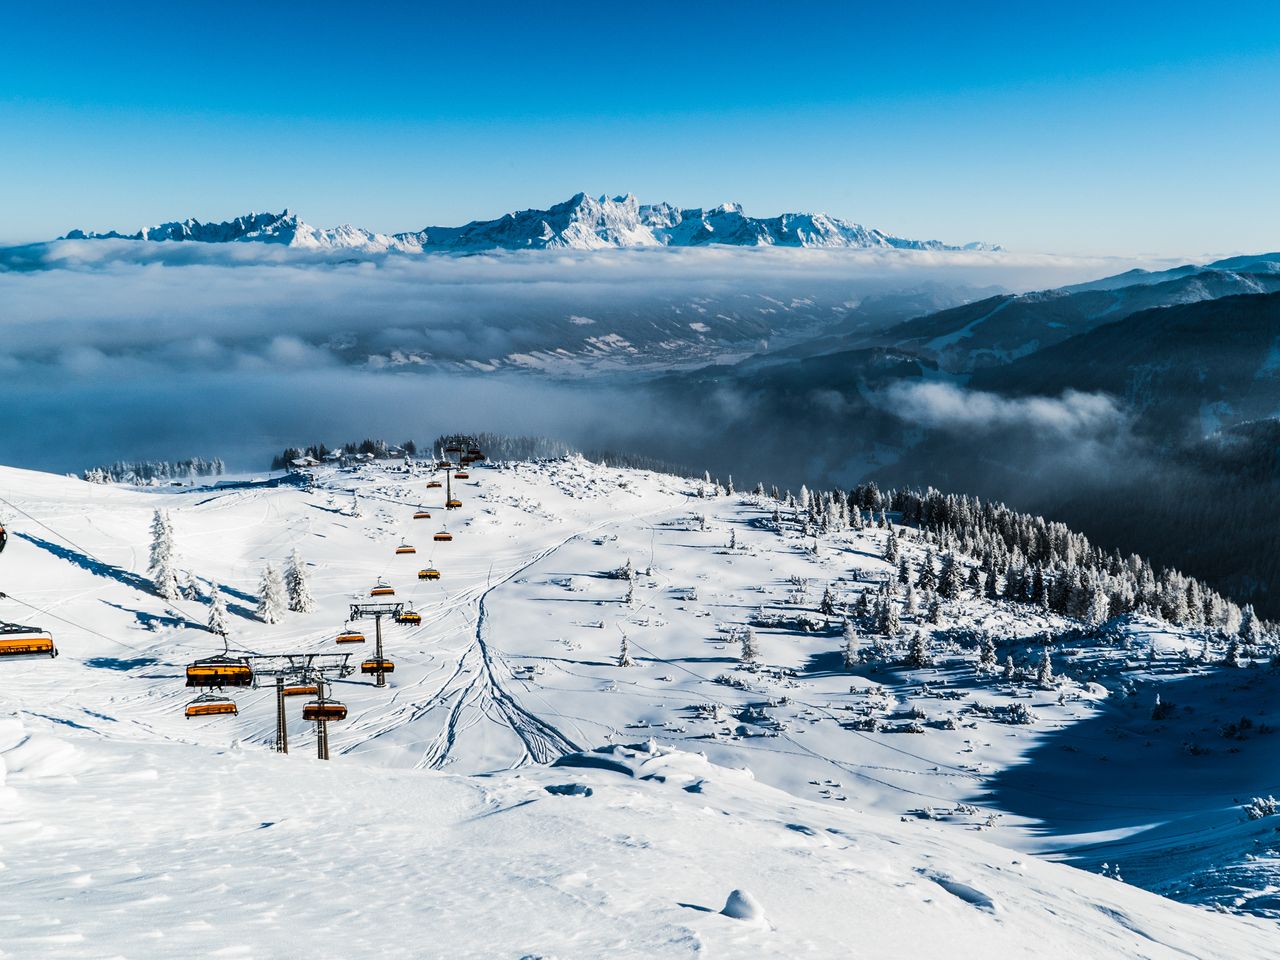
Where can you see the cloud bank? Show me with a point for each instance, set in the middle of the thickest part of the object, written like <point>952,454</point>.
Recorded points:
<point>125,349</point>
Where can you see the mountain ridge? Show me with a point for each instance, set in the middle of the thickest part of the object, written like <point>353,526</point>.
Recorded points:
<point>579,223</point>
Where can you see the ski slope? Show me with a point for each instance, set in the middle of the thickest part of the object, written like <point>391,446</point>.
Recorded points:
<point>116,805</point>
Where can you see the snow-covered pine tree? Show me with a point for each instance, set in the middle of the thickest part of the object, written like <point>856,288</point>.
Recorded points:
<point>162,567</point>
<point>892,621</point>
<point>750,647</point>
<point>950,584</point>
<point>272,602</point>
<point>624,653</point>
<point>1044,672</point>
<point>904,570</point>
<point>1098,608</point>
<point>992,584</point>
<point>986,654</point>
<point>217,612</point>
<point>862,606</point>
<point>1232,656</point>
<point>729,486</point>
<point>909,602</point>
<point>928,579</point>
<point>804,497</point>
<point>827,607</point>
<point>891,547</point>
<point>935,611</point>
<point>1250,629</point>
<point>295,581</point>
<point>1008,669</point>
<point>918,651</point>
<point>849,652</point>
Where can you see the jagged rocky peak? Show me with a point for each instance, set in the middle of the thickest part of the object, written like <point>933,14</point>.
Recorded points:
<point>582,222</point>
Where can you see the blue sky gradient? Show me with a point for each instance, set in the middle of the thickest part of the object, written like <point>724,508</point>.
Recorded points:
<point>1099,128</point>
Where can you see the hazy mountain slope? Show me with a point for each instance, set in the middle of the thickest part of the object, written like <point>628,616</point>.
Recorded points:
<point>1183,369</point>
<point>1002,329</point>
<point>1247,263</point>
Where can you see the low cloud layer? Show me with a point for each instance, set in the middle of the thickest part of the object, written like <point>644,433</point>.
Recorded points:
<point>123,349</point>
<point>944,406</point>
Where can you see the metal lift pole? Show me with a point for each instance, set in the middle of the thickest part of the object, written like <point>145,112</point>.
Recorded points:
<point>380,676</point>
<point>322,725</point>
<point>282,728</point>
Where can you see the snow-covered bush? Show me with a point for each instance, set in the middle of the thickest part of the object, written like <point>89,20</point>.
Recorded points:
<point>1018,714</point>
<point>1260,807</point>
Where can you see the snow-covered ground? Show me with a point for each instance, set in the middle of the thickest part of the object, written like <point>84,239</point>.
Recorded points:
<point>128,830</point>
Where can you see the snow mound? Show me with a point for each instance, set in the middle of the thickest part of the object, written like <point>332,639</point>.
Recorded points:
<point>743,906</point>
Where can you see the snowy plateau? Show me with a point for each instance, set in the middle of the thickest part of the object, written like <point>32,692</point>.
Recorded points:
<point>579,223</point>
<point>514,791</point>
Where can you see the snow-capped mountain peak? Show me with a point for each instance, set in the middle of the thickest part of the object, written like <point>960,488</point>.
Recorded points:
<point>582,222</point>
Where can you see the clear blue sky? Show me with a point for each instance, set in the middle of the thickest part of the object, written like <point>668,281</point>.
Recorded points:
<point>1088,127</point>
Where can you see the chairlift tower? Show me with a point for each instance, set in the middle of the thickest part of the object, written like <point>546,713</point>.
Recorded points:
<point>301,667</point>
<point>363,611</point>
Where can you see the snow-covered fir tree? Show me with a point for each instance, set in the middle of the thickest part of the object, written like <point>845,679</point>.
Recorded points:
<point>949,583</point>
<point>986,654</point>
<point>1044,672</point>
<point>850,650</point>
<point>1250,628</point>
<point>927,581</point>
<point>827,606</point>
<point>295,581</point>
<point>624,653</point>
<point>1008,669</point>
<point>750,652</point>
<point>1232,657</point>
<point>891,547</point>
<point>892,620</point>
<point>918,651</point>
<point>217,612</point>
<point>272,602</point>
<point>163,565</point>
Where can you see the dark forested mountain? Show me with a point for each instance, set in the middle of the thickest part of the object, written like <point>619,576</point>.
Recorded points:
<point>1183,370</point>
<point>998,330</point>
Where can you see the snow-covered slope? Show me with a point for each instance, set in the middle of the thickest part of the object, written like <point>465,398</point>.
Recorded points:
<point>579,223</point>
<point>210,840</point>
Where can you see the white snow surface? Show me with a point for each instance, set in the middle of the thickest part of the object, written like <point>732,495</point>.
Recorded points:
<point>126,830</point>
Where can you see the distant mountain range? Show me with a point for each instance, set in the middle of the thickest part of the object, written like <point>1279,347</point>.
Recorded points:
<point>580,223</point>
